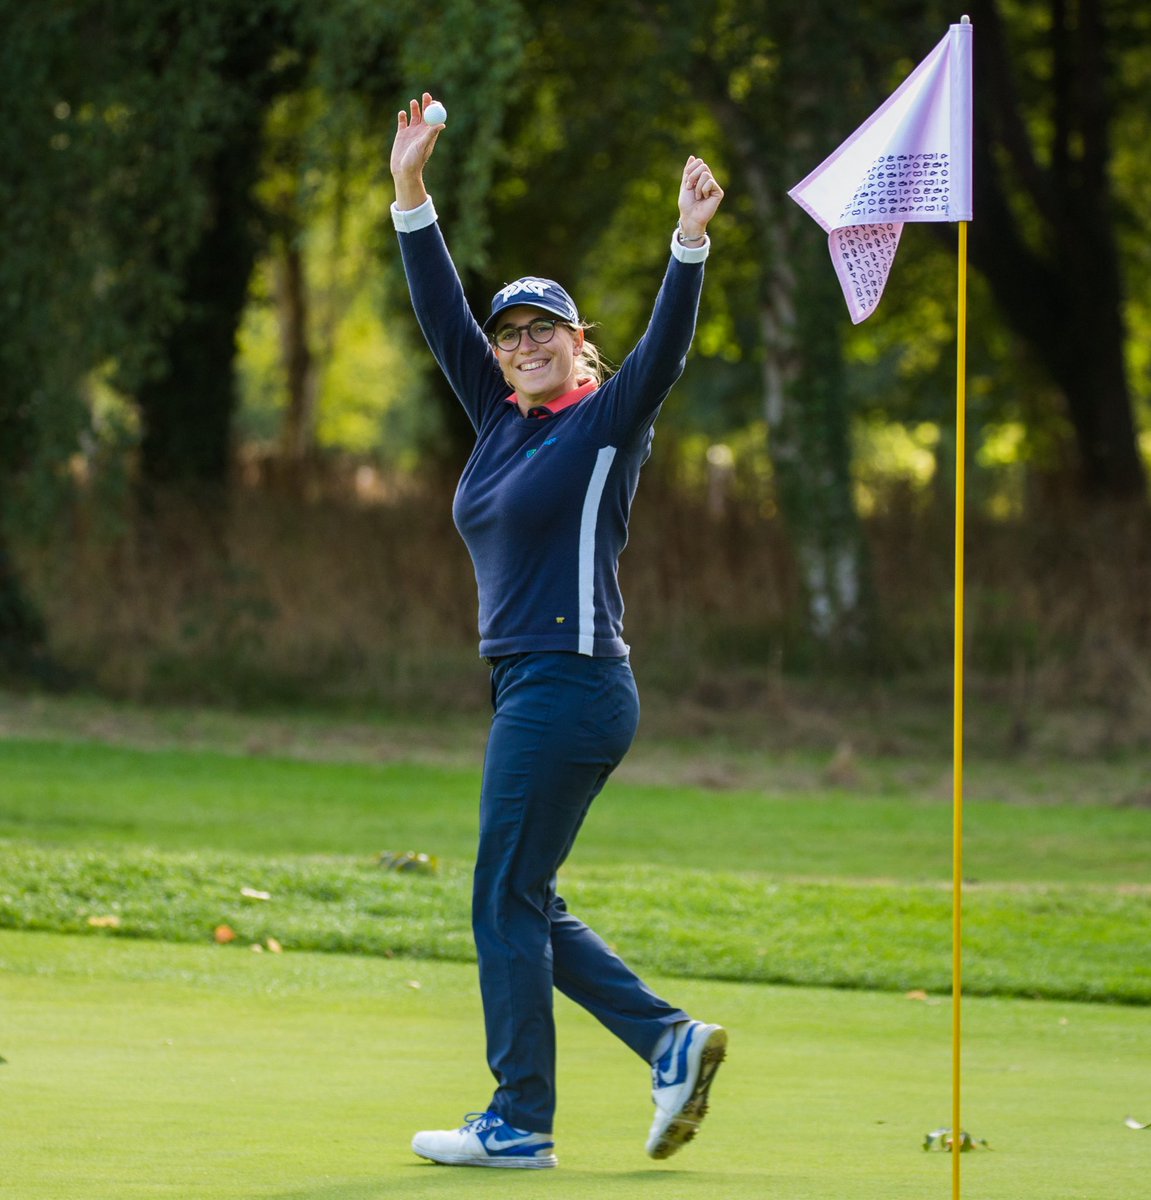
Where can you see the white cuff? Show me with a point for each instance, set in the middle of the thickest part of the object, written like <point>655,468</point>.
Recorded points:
<point>411,219</point>
<point>689,254</point>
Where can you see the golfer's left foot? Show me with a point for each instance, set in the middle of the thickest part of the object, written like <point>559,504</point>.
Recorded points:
<point>486,1141</point>
<point>681,1079</point>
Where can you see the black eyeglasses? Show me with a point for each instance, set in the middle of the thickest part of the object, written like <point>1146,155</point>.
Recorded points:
<point>541,331</point>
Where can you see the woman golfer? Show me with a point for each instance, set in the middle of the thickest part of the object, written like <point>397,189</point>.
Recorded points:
<point>543,506</point>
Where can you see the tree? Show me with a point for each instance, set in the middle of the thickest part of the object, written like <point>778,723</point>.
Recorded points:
<point>1047,230</point>
<point>766,67</point>
<point>191,88</point>
<point>762,71</point>
<point>132,140</point>
<point>45,341</point>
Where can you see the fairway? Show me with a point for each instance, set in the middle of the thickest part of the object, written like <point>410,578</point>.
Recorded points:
<point>81,792</point>
<point>146,1070</point>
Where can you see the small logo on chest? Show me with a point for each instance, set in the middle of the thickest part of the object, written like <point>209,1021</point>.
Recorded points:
<point>536,449</point>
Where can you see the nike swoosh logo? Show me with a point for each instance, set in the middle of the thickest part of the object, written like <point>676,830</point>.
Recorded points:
<point>667,1078</point>
<point>678,1071</point>
<point>510,1143</point>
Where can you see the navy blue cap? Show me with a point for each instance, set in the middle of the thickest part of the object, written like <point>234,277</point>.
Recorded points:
<point>543,294</point>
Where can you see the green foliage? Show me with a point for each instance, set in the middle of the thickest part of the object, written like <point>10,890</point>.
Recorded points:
<point>44,218</point>
<point>326,194</point>
<point>324,199</point>
<point>133,99</point>
<point>113,112</point>
<point>115,117</point>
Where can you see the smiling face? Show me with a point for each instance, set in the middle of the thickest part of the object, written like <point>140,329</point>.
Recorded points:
<point>538,374</point>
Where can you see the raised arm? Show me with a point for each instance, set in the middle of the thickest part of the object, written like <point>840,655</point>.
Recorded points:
<point>632,397</point>
<point>455,338</point>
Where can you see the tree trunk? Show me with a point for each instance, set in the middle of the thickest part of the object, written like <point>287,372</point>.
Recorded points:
<point>23,648</point>
<point>804,397</point>
<point>809,441</point>
<point>300,366</point>
<point>1085,352</point>
<point>187,410</point>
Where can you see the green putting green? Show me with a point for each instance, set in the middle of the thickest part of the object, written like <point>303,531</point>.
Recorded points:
<point>149,1070</point>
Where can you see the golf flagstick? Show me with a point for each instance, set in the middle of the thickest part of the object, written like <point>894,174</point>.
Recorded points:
<point>957,732</point>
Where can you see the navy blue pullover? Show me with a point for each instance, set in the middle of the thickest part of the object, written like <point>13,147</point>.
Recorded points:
<point>543,504</point>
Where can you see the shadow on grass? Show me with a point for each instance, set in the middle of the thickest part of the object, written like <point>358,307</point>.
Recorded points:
<point>428,1179</point>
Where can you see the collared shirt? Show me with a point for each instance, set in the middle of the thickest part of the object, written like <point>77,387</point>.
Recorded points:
<point>543,411</point>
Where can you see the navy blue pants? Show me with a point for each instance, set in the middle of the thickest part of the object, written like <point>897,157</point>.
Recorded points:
<point>562,723</point>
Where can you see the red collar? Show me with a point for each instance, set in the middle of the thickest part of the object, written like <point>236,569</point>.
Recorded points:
<point>560,402</point>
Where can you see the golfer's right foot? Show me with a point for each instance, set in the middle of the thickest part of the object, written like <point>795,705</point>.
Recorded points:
<point>486,1141</point>
<point>681,1079</point>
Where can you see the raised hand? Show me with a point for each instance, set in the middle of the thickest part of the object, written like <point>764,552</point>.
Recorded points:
<point>699,197</point>
<point>415,139</point>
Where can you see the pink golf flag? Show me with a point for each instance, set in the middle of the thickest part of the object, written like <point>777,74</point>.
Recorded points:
<point>909,161</point>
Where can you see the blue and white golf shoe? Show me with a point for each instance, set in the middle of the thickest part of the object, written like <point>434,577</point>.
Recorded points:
<point>486,1140</point>
<point>681,1079</point>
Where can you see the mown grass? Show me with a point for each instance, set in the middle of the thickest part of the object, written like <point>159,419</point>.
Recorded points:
<point>889,825</point>
<point>140,1070</point>
<point>836,886</point>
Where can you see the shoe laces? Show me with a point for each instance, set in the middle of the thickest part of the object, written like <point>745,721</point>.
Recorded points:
<point>477,1122</point>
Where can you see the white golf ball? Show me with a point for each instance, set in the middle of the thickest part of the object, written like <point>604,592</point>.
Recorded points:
<point>435,113</point>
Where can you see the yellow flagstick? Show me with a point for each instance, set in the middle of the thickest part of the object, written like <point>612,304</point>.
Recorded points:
<point>957,799</point>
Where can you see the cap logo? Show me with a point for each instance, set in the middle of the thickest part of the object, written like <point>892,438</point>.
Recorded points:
<point>534,286</point>
<point>536,292</point>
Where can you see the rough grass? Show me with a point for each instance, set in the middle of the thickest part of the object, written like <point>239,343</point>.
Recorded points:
<point>683,922</point>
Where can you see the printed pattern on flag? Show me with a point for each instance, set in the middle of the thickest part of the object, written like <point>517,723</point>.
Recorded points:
<point>863,255</point>
<point>909,161</point>
<point>906,187</point>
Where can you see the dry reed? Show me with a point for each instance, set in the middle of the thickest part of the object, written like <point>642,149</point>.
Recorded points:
<point>336,599</point>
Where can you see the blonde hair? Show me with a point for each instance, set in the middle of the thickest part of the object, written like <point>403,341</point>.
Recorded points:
<point>590,361</point>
